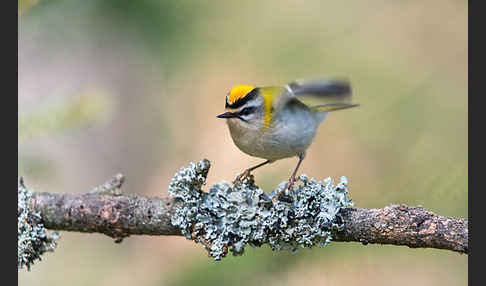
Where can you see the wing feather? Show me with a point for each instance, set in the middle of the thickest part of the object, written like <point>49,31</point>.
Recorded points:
<point>321,92</point>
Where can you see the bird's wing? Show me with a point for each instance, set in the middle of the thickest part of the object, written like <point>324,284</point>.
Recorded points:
<point>320,94</point>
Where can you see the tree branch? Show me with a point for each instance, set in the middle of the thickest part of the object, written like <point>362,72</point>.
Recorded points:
<point>403,225</point>
<point>121,216</point>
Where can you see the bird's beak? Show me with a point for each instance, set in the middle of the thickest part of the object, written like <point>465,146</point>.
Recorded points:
<point>227,115</point>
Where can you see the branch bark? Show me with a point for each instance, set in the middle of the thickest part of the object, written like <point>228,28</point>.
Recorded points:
<point>121,216</point>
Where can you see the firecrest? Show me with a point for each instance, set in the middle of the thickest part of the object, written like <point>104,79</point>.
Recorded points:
<point>278,122</point>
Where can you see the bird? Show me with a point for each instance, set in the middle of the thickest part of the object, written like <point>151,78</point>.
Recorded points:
<point>278,122</point>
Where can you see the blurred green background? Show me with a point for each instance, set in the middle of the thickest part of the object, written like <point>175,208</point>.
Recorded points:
<point>135,87</point>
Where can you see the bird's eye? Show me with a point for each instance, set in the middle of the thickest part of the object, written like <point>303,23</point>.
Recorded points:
<point>246,110</point>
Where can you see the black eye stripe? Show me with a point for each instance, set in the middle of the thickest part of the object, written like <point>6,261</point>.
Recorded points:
<point>247,110</point>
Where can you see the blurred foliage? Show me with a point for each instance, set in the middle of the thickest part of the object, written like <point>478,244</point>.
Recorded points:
<point>336,264</point>
<point>236,270</point>
<point>25,5</point>
<point>64,115</point>
<point>60,116</point>
<point>168,66</point>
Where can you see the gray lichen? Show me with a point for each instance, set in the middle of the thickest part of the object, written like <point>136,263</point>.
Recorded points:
<point>230,217</point>
<point>33,239</point>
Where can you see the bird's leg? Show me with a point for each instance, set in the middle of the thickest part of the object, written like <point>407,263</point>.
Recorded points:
<point>246,173</point>
<point>291,182</point>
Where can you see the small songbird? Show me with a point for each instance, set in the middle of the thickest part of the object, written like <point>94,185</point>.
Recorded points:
<point>278,122</point>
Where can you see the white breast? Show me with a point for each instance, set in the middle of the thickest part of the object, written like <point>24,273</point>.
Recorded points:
<point>290,134</point>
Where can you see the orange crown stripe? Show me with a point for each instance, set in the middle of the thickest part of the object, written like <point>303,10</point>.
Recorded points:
<point>238,92</point>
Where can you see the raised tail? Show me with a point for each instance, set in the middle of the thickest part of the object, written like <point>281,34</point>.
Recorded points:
<point>333,107</point>
<point>322,111</point>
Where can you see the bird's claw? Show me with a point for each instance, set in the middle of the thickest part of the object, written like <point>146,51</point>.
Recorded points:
<point>242,177</point>
<point>281,194</point>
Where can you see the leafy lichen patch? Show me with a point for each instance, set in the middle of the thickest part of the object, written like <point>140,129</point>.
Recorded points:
<point>33,238</point>
<point>229,217</point>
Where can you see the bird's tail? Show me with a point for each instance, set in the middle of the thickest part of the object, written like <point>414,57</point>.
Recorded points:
<point>333,107</point>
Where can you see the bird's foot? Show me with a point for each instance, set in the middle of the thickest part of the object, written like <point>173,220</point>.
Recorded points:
<point>243,176</point>
<point>281,196</point>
